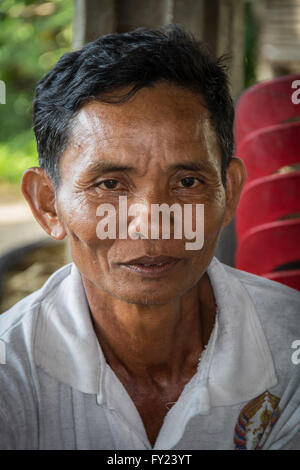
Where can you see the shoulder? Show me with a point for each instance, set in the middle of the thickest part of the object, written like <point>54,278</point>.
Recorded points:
<point>269,297</point>
<point>277,305</point>
<point>21,313</point>
<point>278,309</point>
<point>18,324</point>
<point>18,375</point>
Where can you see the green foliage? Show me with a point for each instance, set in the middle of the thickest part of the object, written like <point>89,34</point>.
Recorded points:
<point>16,155</point>
<point>33,36</point>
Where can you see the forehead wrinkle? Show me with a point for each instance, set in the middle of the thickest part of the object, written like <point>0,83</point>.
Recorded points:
<point>142,138</point>
<point>140,155</point>
<point>93,119</point>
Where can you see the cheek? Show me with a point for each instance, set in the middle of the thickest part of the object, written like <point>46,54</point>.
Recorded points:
<point>81,225</point>
<point>80,219</point>
<point>214,213</point>
<point>88,252</point>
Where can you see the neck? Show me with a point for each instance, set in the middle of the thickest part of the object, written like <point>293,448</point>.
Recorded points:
<point>155,341</point>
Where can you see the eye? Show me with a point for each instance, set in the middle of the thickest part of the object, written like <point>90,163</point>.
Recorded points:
<point>189,181</point>
<point>109,184</point>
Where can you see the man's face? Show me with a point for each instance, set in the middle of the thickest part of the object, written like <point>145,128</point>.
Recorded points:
<point>159,147</point>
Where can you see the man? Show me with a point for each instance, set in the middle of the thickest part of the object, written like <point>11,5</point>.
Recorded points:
<point>141,343</point>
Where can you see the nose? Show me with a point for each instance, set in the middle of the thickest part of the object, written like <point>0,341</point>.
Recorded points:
<point>141,225</point>
<point>154,220</point>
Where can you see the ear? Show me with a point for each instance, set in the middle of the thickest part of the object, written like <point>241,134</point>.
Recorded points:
<point>235,179</point>
<point>40,195</point>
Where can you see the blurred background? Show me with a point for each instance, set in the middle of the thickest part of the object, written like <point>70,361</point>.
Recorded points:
<point>262,38</point>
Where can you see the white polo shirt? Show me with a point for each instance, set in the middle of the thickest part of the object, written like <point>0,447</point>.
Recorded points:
<point>58,392</point>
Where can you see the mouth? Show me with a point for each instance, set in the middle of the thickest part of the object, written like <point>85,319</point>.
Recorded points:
<point>151,266</point>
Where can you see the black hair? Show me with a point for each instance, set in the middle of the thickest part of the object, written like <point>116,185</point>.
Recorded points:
<point>139,58</point>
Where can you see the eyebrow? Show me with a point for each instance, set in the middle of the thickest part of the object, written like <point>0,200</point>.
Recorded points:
<point>104,167</point>
<point>192,166</point>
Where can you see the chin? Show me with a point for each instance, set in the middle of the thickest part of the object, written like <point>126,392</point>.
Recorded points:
<point>146,301</point>
<point>148,297</point>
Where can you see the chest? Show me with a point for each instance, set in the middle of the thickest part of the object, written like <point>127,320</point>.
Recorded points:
<point>153,403</point>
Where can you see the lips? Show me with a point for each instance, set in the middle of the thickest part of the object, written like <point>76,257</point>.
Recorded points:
<point>151,260</point>
<point>151,266</point>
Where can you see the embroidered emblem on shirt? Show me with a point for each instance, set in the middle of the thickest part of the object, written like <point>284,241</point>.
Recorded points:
<point>255,422</point>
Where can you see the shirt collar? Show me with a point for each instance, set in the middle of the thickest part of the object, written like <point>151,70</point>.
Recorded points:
<point>66,345</point>
<point>241,364</point>
<point>236,366</point>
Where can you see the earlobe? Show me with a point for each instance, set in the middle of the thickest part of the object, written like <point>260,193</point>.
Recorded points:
<point>38,190</point>
<point>235,179</point>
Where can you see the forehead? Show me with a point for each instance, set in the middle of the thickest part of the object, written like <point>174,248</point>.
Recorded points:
<point>164,105</point>
<point>164,119</point>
